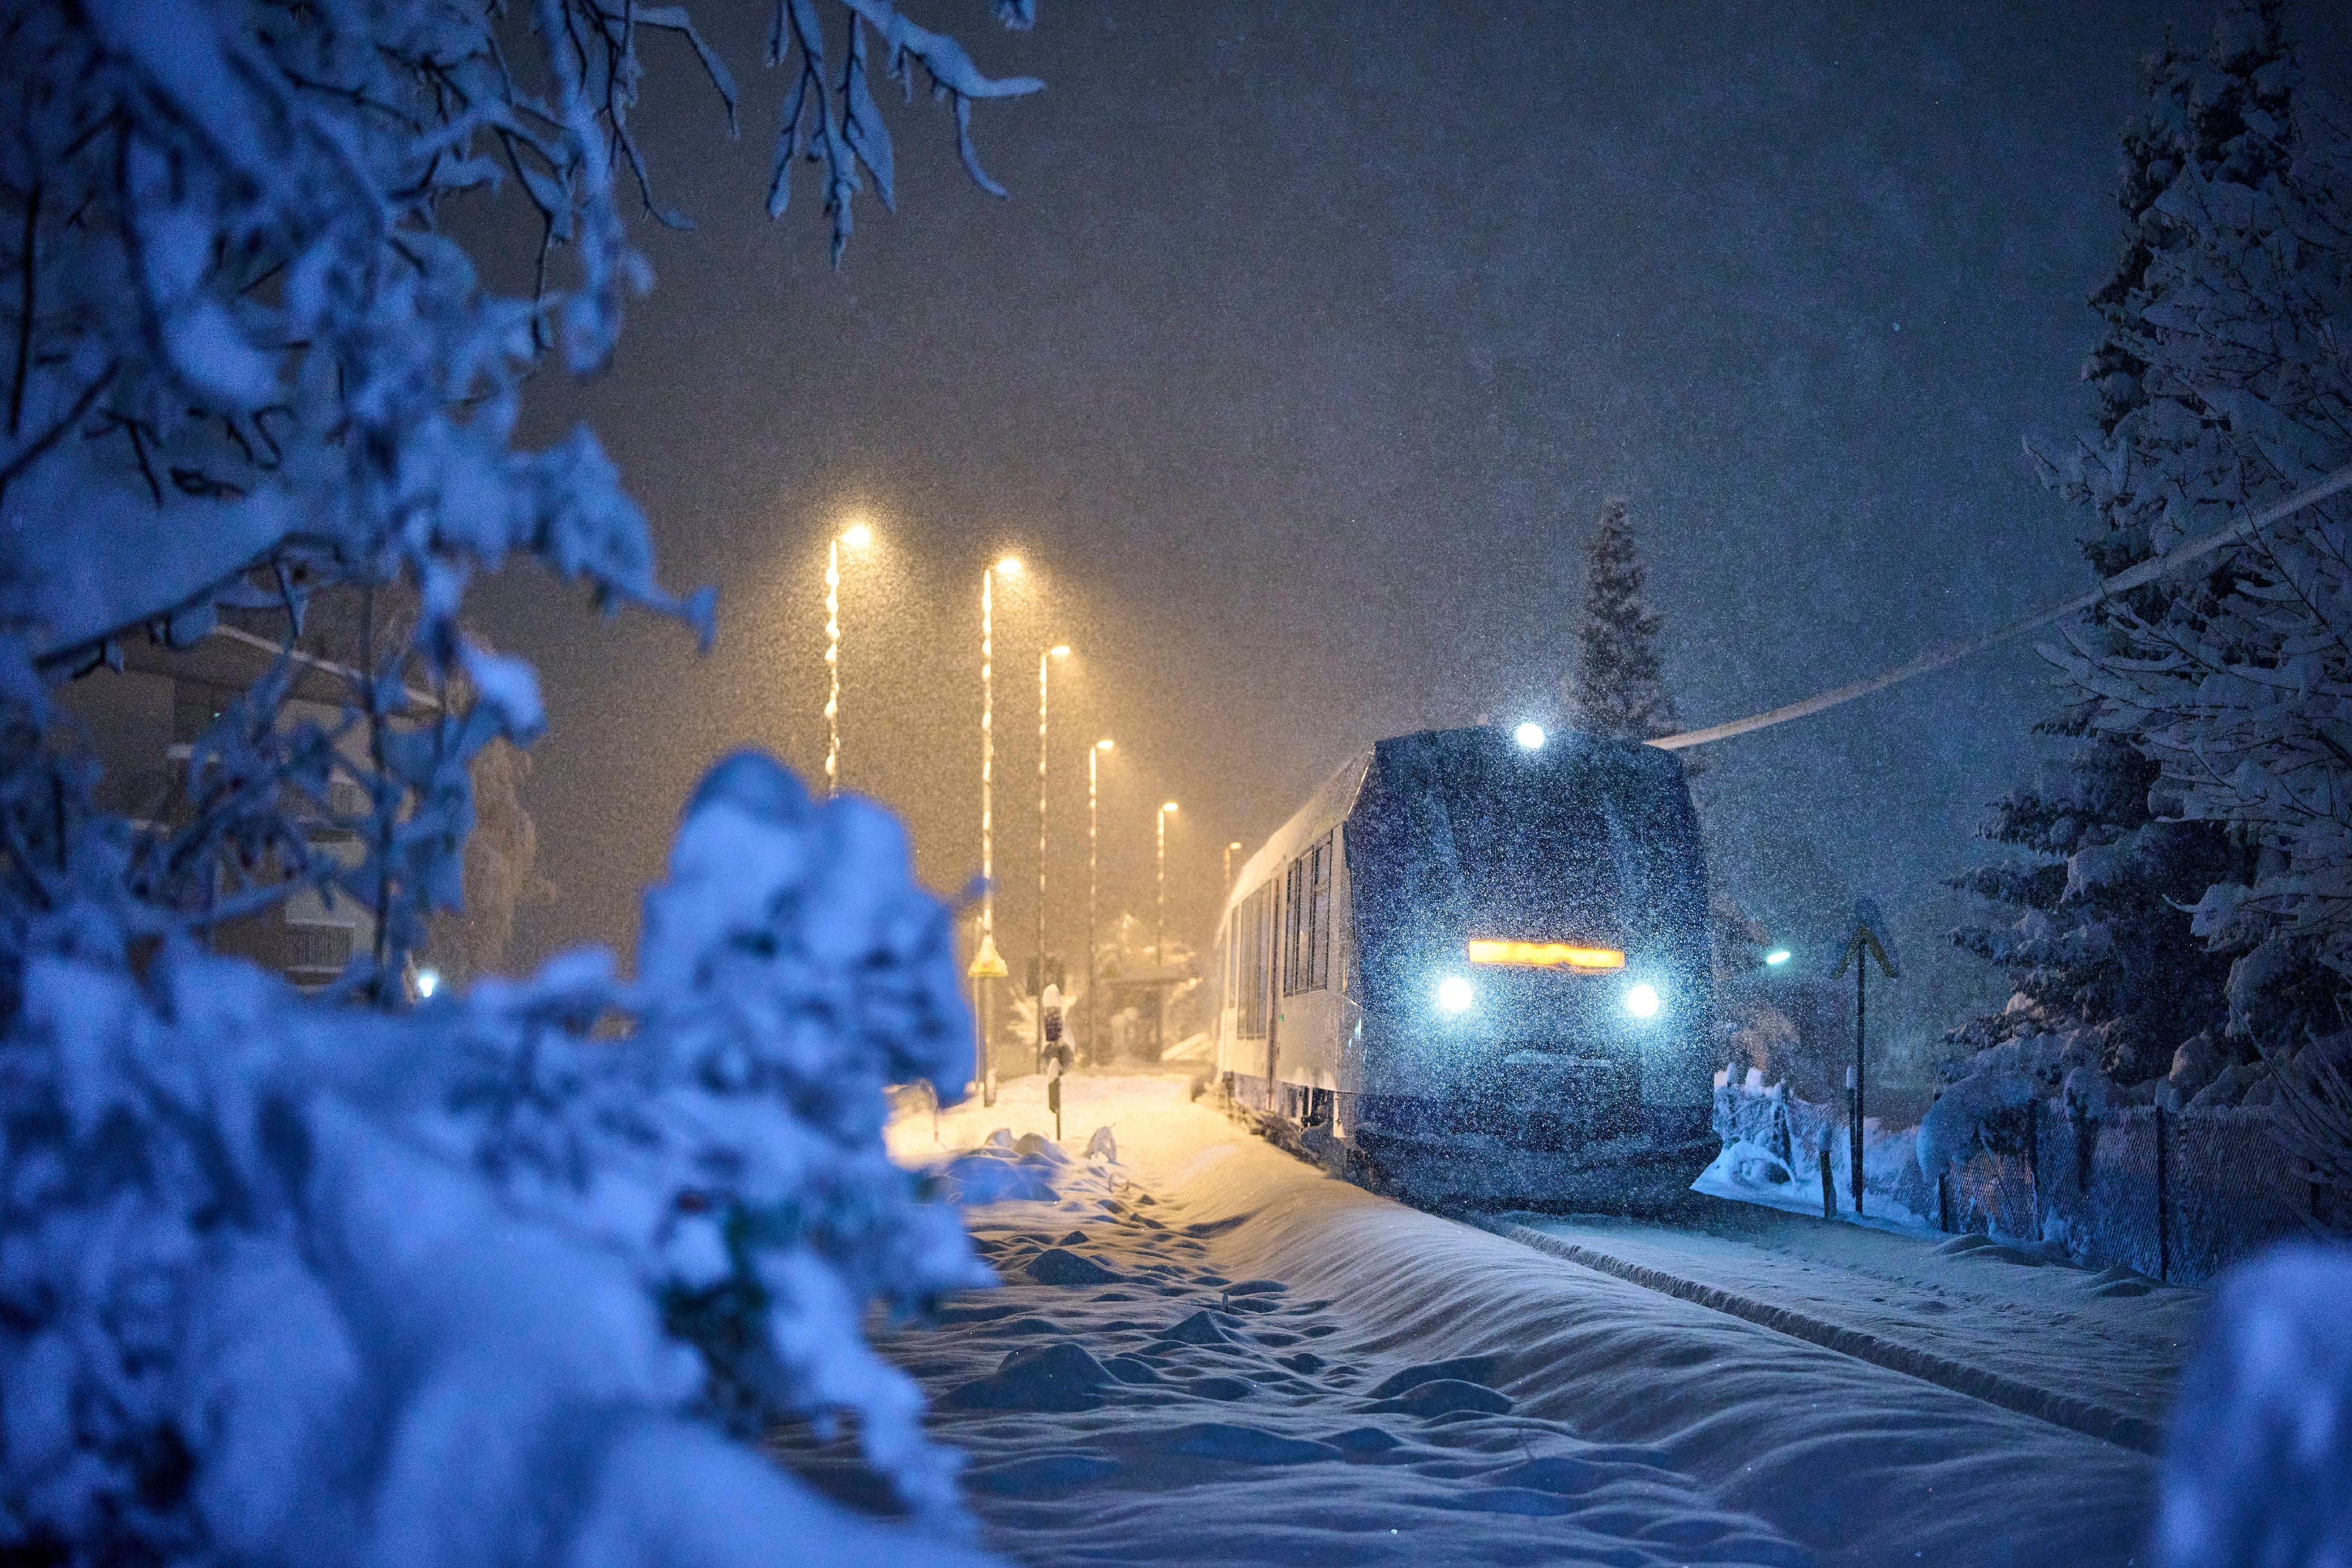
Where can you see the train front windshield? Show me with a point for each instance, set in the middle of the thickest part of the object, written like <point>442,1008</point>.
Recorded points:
<point>1582,857</point>
<point>1566,866</point>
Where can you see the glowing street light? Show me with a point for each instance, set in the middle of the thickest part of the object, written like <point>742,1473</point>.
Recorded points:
<point>1045,667</point>
<point>1094,802</point>
<point>1530,736</point>
<point>1229,864</point>
<point>1159,932</point>
<point>858,536</point>
<point>1777,956</point>
<point>987,964</point>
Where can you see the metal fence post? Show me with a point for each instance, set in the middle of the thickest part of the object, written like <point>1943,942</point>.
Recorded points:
<point>2163,1205</point>
<point>2033,1166</point>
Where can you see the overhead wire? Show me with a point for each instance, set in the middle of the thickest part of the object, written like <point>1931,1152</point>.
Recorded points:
<point>1935,658</point>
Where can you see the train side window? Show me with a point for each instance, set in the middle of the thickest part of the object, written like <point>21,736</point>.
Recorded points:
<point>1318,915</point>
<point>1253,957</point>
<point>1294,906</point>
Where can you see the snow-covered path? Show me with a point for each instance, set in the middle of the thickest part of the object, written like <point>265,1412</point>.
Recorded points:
<point>1210,1353</point>
<point>2100,1353</point>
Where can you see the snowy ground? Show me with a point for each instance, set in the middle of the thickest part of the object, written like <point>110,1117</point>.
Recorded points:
<point>2097,1352</point>
<point>1210,1353</point>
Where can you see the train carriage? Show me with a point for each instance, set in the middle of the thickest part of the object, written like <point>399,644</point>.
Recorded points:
<point>1477,962</point>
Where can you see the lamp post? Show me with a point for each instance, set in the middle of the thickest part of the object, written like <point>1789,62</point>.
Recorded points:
<point>1229,864</point>
<point>1094,802</point>
<point>1159,931</point>
<point>858,536</point>
<point>1044,668</point>
<point>987,964</point>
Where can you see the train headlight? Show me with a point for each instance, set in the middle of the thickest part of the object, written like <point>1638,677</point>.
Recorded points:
<point>1642,1001</point>
<point>1454,994</point>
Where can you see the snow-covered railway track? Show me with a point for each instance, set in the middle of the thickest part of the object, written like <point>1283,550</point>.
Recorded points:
<point>2090,1418</point>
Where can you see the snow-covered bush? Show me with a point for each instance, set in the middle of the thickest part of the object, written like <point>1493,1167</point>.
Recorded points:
<point>491,1279</point>
<point>1775,1143</point>
<point>1988,1095</point>
<point>2258,1462</point>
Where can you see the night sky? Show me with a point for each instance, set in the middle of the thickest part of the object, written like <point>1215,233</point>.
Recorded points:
<point>1297,369</point>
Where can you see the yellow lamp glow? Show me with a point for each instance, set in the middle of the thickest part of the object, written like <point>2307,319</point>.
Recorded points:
<point>1545,956</point>
<point>1102,746</point>
<point>1010,566</point>
<point>1059,650</point>
<point>858,536</point>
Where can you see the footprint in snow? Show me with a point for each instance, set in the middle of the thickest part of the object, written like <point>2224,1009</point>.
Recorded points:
<point>1365,1441</point>
<point>1199,1329</point>
<point>1251,1445</point>
<point>1459,1369</point>
<point>1062,1376</point>
<point>1220,1388</point>
<point>1446,1396</point>
<point>1060,1266</point>
<point>1042,1474</point>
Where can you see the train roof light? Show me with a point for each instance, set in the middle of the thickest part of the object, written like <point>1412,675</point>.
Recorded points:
<point>1642,1001</point>
<point>1529,736</point>
<point>1454,994</point>
<point>1543,955</point>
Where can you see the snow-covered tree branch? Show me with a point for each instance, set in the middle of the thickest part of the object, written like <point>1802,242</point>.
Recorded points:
<point>512,1275</point>
<point>249,364</point>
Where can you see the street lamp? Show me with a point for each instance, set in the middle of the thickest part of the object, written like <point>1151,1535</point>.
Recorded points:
<point>1045,667</point>
<point>858,536</point>
<point>1094,802</point>
<point>1229,864</point>
<point>1159,932</point>
<point>987,964</point>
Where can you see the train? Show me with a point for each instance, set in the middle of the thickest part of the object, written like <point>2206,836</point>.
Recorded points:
<point>1475,967</point>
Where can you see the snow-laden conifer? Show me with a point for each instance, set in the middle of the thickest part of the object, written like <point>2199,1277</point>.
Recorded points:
<point>1618,687</point>
<point>2212,348</point>
<point>2093,930</point>
<point>2234,381</point>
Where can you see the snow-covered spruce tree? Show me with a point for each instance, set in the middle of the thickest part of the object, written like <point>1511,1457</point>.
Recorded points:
<point>2236,685</point>
<point>2100,949</point>
<point>2096,936</point>
<point>1618,687</point>
<point>294,1280</point>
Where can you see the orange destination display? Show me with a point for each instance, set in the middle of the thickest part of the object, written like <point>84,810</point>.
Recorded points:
<point>1545,955</point>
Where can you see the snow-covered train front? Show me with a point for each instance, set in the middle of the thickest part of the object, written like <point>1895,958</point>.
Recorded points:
<point>1475,966</point>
